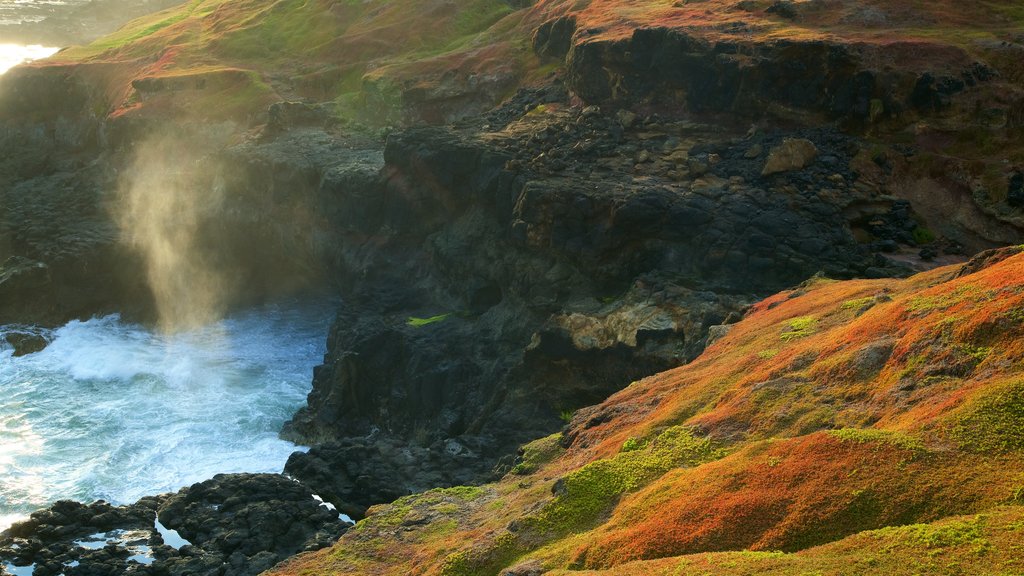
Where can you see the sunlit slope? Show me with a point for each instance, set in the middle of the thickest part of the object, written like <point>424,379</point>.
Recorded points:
<point>830,411</point>
<point>232,57</point>
<point>391,60</point>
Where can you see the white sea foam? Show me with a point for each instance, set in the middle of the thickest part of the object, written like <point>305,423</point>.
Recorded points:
<point>114,411</point>
<point>13,54</point>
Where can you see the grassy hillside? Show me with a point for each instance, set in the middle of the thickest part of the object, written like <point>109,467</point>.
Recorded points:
<point>377,59</point>
<point>830,414</point>
<point>218,58</point>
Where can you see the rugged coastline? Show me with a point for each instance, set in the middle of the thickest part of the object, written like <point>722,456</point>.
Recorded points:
<point>504,271</point>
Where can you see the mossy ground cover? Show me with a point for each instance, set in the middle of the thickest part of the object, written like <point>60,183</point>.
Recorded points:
<point>989,543</point>
<point>841,452</point>
<point>316,49</point>
<point>367,55</point>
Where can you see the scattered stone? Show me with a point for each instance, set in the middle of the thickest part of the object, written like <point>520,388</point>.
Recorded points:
<point>716,333</point>
<point>792,154</point>
<point>697,168</point>
<point>754,151</point>
<point>626,118</point>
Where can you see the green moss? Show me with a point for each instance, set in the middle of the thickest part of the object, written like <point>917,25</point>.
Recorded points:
<point>859,304</point>
<point>994,423</point>
<point>483,560</point>
<point>768,354</point>
<point>871,435</point>
<point>583,497</point>
<point>800,328</point>
<point>967,532</point>
<point>420,322</point>
<point>976,353</point>
<point>588,493</point>
<point>464,493</point>
<point>911,366</point>
<point>947,300</point>
<point>632,444</point>
<point>537,453</point>
<point>923,235</point>
<point>1016,315</point>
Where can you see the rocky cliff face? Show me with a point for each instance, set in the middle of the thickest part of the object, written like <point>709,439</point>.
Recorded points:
<point>499,274</point>
<point>494,282</point>
<point>829,412</point>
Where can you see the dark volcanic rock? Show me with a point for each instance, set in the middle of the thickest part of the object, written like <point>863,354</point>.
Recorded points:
<point>356,473</point>
<point>491,285</point>
<point>1015,191</point>
<point>238,524</point>
<point>25,340</point>
<point>670,67</point>
<point>245,517</point>
<point>553,39</point>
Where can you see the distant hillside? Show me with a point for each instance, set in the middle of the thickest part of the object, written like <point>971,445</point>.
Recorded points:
<point>386,61</point>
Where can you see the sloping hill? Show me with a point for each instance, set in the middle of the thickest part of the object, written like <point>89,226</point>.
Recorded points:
<point>437,60</point>
<point>830,412</point>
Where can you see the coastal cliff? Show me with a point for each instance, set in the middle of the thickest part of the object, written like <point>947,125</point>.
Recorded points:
<point>531,209</point>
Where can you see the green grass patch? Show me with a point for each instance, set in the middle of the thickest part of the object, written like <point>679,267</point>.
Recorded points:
<point>858,305</point>
<point>994,423</point>
<point>870,435</point>
<point>967,532</point>
<point>923,236</point>
<point>800,328</point>
<point>420,322</point>
<point>537,453</point>
<point>588,493</point>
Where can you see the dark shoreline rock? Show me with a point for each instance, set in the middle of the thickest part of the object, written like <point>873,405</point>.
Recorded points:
<point>234,525</point>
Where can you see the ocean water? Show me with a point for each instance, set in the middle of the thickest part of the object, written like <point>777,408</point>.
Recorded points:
<point>14,13</point>
<point>13,54</point>
<point>114,411</point>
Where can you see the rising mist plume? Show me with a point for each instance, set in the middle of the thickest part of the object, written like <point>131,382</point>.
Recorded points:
<point>165,193</point>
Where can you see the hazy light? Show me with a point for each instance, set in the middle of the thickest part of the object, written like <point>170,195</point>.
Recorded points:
<point>13,54</point>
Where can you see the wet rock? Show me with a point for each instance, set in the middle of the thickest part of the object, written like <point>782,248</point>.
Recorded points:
<point>235,524</point>
<point>26,342</point>
<point>356,473</point>
<point>792,154</point>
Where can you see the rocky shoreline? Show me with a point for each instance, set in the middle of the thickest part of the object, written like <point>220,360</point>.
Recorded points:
<point>496,274</point>
<point>238,524</point>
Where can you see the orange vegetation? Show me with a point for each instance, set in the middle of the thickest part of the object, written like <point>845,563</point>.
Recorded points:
<point>831,411</point>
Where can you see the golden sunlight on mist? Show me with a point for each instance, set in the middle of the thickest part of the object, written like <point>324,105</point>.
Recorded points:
<point>160,215</point>
<point>13,54</point>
